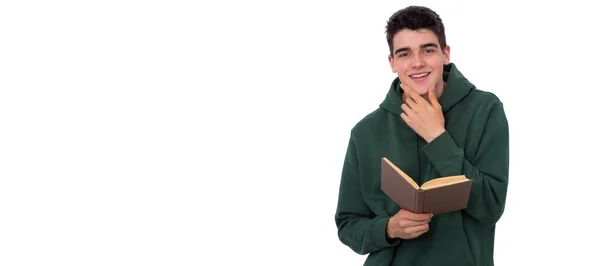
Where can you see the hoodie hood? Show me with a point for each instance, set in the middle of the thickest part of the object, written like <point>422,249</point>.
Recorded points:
<point>457,88</point>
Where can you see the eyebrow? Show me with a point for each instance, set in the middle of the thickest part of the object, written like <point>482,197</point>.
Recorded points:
<point>422,46</point>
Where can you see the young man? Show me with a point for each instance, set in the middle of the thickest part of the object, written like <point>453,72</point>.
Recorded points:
<point>432,123</point>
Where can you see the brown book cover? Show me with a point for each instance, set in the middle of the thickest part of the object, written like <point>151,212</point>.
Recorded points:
<point>437,196</point>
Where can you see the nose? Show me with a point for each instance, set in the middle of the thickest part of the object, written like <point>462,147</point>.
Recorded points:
<point>417,61</point>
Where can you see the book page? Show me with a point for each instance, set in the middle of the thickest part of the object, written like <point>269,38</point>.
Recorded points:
<point>442,181</point>
<point>404,175</point>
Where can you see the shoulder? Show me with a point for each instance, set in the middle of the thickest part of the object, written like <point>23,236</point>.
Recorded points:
<point>487,106</point>
<point>368,122</point>
<point>484,97</point>
<point>483,102</point>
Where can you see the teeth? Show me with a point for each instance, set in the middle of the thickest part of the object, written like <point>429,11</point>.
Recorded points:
<point>419,76</point>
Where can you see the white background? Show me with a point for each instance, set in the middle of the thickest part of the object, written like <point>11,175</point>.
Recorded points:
<point>180,133</point>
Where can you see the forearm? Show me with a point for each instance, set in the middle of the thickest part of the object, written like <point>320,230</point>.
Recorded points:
<point>489,187</point>
<point>358,227</point>
<point>362,234</point>
<point>488,194</point>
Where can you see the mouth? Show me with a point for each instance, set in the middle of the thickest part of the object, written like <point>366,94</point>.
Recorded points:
<point>419,75</point>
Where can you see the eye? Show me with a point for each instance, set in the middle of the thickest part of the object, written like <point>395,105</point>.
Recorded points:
<point>403,55</point>
<point>429,50</point>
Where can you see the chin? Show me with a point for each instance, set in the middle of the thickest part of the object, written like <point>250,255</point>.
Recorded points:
<point>420,86</point>
<point>421,90</point>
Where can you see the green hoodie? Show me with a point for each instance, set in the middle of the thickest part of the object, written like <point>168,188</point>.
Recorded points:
<point>476,144</point>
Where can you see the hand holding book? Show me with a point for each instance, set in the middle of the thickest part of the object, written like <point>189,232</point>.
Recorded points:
<point>408,225</point>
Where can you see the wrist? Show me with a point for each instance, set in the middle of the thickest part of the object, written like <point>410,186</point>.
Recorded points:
<point>388,232</point>
<point>435,135</point>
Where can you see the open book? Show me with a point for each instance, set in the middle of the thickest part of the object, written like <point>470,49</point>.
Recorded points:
<point>437,196</point>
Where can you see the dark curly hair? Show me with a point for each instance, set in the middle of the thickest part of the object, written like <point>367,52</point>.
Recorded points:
<point>413,18</point>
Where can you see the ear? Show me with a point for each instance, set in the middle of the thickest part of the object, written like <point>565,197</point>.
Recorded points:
<point>391,60</point>
<point>446,55</point>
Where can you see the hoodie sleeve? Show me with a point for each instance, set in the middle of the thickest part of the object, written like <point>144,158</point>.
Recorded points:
<point>488,169</point>
<point>358,228</point>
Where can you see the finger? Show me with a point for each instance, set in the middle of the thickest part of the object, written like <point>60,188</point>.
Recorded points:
<point>412,97</point>
<point>417,230</point>
<point>405,118</point>
<point>432,97</point>
<point>411,223</point>
<point>417,217</point>
<point>405,87</point>
<point>431,94</point>
<point>412,102</point>
<point>407,109</point>
<point>417,234</point>
<point>409,91</point>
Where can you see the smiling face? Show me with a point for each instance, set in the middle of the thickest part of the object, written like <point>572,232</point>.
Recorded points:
<point>419,60</point>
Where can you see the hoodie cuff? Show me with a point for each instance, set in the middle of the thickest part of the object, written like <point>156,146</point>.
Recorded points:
<point>445,155</point>
<point>379,234</point>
